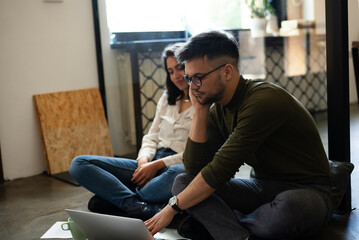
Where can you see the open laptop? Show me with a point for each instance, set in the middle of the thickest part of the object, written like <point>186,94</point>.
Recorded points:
<point>107,227</point>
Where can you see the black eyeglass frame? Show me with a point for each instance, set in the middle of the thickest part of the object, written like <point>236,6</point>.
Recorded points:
<point>198,80</point>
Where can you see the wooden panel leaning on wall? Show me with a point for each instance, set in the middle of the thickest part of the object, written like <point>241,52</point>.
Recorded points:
<point>71,123</point>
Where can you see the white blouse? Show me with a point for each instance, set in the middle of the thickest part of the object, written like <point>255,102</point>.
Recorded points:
<point>169,129</point>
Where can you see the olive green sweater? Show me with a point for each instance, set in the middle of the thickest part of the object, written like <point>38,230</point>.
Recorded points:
<point>264,126</point>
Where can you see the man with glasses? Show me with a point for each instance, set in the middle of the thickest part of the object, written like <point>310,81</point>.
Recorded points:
<point>239,121</point>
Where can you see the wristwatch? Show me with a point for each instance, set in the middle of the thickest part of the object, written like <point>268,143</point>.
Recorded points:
<point>173,203</point>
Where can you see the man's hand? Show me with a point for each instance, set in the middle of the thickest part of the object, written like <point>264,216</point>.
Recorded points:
<point>160,220</point>
<point>146,171</point>
<point>195,103</point>
<point>198,132</point>
<point>197,191</point>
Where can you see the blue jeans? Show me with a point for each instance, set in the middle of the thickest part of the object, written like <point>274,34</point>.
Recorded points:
<point>110,179</point>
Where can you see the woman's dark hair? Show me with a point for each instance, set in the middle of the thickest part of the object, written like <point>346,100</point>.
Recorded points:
<point>173,92</point>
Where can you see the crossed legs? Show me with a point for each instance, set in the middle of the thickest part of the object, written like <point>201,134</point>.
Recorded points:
<point>266,209</point>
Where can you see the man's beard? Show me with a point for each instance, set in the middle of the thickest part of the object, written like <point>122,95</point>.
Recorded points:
<point>209,99</point>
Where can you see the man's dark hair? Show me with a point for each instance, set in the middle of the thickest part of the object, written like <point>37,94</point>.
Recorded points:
<point>173,93</point>
<point>212,44</point>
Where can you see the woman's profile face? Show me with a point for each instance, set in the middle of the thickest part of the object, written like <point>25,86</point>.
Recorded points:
<point>176,72</point>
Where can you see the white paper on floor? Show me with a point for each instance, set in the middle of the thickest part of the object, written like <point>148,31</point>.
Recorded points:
<point>56,232</point>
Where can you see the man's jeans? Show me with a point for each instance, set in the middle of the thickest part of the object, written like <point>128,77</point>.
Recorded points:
<point>110,179</point>
<point>265,208</point>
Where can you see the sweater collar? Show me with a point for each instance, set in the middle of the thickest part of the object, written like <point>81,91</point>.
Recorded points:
<point>237,96</point>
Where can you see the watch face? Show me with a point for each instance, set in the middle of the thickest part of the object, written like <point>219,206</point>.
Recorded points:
<point>172,201</point>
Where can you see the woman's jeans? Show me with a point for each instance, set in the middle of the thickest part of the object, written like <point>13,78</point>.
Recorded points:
<point>110,179</point>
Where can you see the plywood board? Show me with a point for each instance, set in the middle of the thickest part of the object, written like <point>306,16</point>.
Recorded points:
<point>71,123</point>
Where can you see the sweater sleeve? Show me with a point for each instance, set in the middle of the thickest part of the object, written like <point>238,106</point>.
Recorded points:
<point>197,155</point>
<point>150,140</point>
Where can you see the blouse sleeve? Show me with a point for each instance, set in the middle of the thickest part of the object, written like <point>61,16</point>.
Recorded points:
<point>173,159</point>
<point>150,140</point>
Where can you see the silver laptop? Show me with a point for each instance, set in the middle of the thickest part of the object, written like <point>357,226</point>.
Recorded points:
<point>107,227</point>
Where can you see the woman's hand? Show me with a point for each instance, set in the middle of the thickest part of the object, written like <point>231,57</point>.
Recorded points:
<point>160,220</point>
<point>142,160</point>
<point>146,171</point>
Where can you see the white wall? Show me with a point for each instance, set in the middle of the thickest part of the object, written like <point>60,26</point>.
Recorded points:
<point>353,17</point>
<point>44,47</point>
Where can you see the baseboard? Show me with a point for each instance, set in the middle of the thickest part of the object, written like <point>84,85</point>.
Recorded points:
<point>66,177</point>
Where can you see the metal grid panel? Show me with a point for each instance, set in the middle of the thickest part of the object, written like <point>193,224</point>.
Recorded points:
<point>152,85</point>
<point>296,64</point>
<point>309,88</point>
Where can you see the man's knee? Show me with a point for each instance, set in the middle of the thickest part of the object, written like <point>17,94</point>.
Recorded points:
<point>181,182</point>
<point>302,204</point>
<point>292,214</point>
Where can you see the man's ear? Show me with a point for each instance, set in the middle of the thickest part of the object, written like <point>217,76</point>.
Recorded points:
<point>229,69</point>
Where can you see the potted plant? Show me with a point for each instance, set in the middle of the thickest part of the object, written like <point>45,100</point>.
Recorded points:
<point>259,10</point>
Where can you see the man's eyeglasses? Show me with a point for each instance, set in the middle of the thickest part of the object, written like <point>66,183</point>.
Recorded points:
<point>198,80</point>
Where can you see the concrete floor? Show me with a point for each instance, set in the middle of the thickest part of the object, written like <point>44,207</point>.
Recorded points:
<point>30,206</point>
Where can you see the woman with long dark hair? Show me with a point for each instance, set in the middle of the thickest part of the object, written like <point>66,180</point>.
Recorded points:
<point>139,188</point>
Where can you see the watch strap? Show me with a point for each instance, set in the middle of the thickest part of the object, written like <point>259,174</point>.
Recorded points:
<point>175,207</point>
